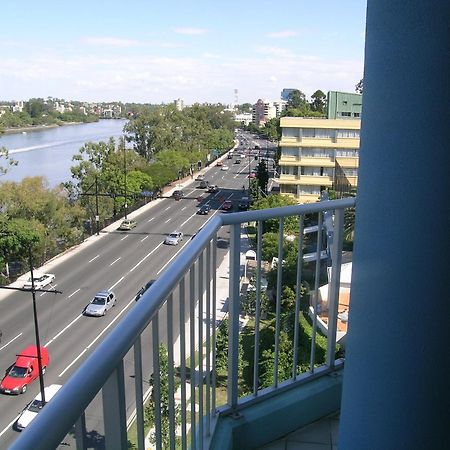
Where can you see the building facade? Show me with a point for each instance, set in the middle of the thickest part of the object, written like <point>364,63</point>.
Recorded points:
<point>263,111</point>
<point>314,152</point>
<point>343,105</point>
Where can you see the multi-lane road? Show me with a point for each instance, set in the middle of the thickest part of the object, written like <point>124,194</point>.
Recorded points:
<point>118,261</point>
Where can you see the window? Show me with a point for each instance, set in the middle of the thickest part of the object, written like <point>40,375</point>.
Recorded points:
<point>290,132</point>
<point>318,133</point>
<point>356,114</point>
<point>346,114</point>
<point>348,134</point>
<point>347,153</point>
<point>289,189</point>
<point>309,190</point>
<point>289,151</point>
<point>311,152</point>
<point>289,170</point>
<point>350,172</point>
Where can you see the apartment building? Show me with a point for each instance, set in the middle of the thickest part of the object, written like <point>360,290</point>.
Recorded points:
<point>263,111</point>
<point>313,151</point>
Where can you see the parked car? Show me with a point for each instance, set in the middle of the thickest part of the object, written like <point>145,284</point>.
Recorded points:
<point>143,289</point>
<point>34,407</point>
<point>203,184</point>
<point>230,156</point>
<point>213,188</point>
<point>219,164</point>
<point>204,210</point>
<point>40,280</point>
<point>237,161</point>
<point>244,203</point>
<point>174,238</point>
<point>24,371</point>
<point>100,304</point>
<point>224,168</point>
<point>178,194</point>
<point>227,205</point>
<point>200,177</point>
<point>127,224</point>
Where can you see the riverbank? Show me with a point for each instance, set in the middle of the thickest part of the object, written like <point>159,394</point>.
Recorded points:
<point>38,127</point>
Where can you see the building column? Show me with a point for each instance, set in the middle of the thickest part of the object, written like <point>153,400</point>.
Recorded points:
<point>396,392</point>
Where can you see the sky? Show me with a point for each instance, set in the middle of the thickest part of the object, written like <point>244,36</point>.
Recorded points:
<point>145,51</point>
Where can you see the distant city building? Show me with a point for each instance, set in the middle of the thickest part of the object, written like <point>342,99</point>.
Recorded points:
<point>18,107</point>
<point>263,111</point>
<point>317,154</point>
<point>285,94</point>
<point>179,104</point>
<point>343,105</point>
<point>243,118</point>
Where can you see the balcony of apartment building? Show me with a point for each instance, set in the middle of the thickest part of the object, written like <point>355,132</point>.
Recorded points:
<point>390,386</point>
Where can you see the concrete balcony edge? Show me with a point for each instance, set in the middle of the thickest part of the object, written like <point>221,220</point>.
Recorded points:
<point>264,422</point>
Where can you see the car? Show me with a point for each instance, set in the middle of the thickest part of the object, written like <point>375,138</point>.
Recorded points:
<point>219,164</point>
<point>203,184</point>
<point>178,194</point>
<point>34,407</point>
<point>224,168</point>
<point>40,280</point>
<point>213,188</point>
<point>237,161</point>
<point>100,304</point>
<point>242,156</point>
<point>174,238</point>
<point>24,371</point>
<point>127,224</point>
<point>244,203</point>
<point>230,156</point>
<point>204,210</point>
<point>227,205</point>
<point>141,291</point>
<point>200,177</point>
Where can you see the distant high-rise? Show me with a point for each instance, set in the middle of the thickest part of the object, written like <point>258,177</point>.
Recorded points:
<point>179,104</point>
<point>285,93</point>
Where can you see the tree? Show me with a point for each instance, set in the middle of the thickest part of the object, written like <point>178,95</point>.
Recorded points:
<point>360,86</point>
<point>272,129</point>
<point>297,100</point>
<point>7,159</point>
<point>319,102</point>
<point>262,175</point>
<point>248,303</point>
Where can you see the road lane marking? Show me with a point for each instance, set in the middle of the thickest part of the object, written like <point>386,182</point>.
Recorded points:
<point>146,256</point>
<point>73,293</point>
<point>150,219</point>
<point>95,257</point>
<point>9,342</point>
<point>115,284</point>
<point>168,220</point>
<point>63,330</point>
<point>189,218</point>
<point>142,240</point>
<point>167,208</point>
<point>8,427</point>
<point>115,261</point>
<point>125,237</point>
<point>51,285</point>
<point>189,193</point>
<point>97,338</point>
<point>182,209</point>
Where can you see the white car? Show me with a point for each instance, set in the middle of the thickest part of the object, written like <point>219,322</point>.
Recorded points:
<point>100,304</point>
<point>34,407</point>
<point>174,238</point>
<point>40,280</point>
<point>224,168</point>
<point>200,177</point>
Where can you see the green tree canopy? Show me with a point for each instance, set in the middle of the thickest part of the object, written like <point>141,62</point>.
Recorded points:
<point>318,102</point>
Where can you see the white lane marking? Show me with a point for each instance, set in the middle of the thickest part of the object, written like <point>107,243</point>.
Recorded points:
<point>189,193</point>
<point>171,259</point>
<point>115,284</point>
<point>73,293</point>
<point>189,218</point>
<point>95,257</point>
<point>97,338</point>
<point>51,285</point>
<point>125,237</point>
<point>182,209</point>
<point>9,342</point>
<point>168,220</point>
<point>143,239</point>
<point>150,219</point>
<point>167,208</point>
<point>115,261</point>
<point>62,331</point>
<point>8,427</point>
<point>146,256</point>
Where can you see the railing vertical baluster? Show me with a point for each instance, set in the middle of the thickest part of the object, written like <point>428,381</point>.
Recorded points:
<point>258,308</point>
<point>333,294</point>
<point>192,353</point>
<point>200,349</point>
<point>298,283</point>
<point>214,325</point>
<point>316,291</point>
<point>278,304</point>
<point>183,363</point>
<point>80,432</point>
<point>208,340</point>
<point>156,381</point>
<point>234,309</point>
<point>114,412</point>
<point>170,372</point>
<point>137,350</point>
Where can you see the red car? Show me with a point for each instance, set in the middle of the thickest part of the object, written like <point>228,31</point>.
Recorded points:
<point>24,371</point>
<point>227,205</point>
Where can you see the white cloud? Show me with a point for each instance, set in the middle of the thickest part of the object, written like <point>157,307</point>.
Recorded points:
<point>282,34</point>
<point>190,31</point>
<point>110,41</point>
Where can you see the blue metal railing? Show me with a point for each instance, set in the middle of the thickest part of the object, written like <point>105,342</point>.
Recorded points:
<point>189,286</point>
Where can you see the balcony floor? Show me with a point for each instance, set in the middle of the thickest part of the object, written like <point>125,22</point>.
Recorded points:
<point>320,435</point>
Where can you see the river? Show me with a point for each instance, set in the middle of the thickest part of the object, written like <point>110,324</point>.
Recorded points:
<point>49,152</point>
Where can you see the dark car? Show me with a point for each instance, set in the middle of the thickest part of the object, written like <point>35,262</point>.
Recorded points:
<point>204,210</point>
<point>238,161</point>
<point>244,203</point>
<point>177,195</point>
<point>143,289</point>
<point>227,205</point>
<point>203,184</point>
